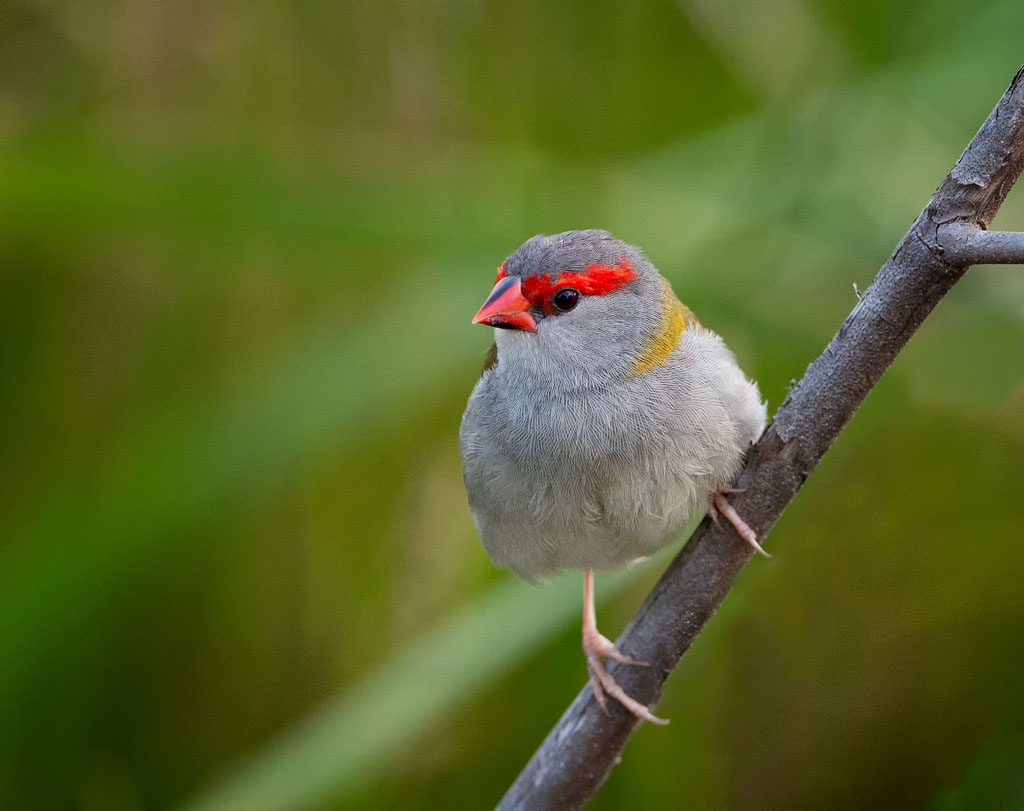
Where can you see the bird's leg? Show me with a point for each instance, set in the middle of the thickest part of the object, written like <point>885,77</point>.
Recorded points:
<point>717,503</point>
<point>596,647</point>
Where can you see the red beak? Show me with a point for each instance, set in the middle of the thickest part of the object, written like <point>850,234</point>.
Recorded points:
<point>507,308</point>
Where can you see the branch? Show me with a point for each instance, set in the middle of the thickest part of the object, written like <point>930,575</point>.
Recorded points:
<point>577,755</point>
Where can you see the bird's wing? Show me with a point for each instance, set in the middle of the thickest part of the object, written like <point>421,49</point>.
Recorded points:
<point>491,360</point>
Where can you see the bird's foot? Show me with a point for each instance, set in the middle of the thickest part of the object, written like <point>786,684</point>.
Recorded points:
<point>717,504</point>
<point>596,647</point>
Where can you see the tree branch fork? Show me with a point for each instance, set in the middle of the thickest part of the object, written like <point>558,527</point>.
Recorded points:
<point>949,236</point>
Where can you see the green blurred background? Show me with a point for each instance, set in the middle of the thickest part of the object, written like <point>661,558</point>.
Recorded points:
<point>240,245</point>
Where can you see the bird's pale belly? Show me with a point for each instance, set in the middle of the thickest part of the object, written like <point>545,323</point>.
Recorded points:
<point>599,516</point>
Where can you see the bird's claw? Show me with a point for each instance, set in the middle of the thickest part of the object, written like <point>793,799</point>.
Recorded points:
<point>713,513</point>
<point>599,646</point>
<point>596,646</point>
<point>717,504</point>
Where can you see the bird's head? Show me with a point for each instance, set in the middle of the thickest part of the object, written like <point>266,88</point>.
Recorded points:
<point>576,306</point>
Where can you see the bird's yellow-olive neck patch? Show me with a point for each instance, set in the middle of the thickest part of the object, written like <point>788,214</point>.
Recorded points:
<point>675,318</point>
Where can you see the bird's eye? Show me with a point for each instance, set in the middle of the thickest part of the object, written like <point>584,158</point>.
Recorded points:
<point>565,299</point>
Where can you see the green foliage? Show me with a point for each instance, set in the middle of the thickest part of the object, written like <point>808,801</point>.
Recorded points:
<point>239,251</point>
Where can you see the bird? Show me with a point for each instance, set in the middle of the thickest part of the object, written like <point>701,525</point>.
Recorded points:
<point>606,418</point>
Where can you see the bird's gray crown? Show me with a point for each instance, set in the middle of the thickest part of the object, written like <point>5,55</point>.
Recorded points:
<point>569,251</point>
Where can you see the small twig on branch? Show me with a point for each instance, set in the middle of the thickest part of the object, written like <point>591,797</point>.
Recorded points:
<point>948,236</point>
<point>967,244</point>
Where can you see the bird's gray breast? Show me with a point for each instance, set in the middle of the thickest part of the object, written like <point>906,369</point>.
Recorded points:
<point>589,478</point>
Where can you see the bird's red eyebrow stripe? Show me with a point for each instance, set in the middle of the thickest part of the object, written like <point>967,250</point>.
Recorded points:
<point>596,280</point>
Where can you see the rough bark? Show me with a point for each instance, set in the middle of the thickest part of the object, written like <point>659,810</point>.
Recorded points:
<point>949,236</point>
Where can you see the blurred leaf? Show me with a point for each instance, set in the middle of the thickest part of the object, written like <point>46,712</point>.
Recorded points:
<point>181,464</point>
<point>994,781</point>
<point>354,739</point>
